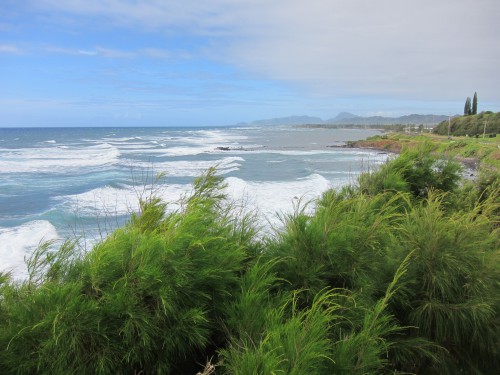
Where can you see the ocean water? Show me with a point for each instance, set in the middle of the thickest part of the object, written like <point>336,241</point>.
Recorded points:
<point>82,183</point>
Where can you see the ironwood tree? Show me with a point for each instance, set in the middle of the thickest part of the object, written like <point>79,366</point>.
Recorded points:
<point>467,107</point>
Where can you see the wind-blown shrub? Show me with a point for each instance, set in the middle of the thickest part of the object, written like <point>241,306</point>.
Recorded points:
<point>268,331</point>
<point>450,290</point>
<point>369,344</point>
<point>344,244</point>
<point>350,244</point>
<point>416,171</point>
<point>147,299</point>
<point>391,275</point>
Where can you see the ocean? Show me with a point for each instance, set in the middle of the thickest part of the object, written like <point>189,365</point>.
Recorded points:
<point>82,183</point>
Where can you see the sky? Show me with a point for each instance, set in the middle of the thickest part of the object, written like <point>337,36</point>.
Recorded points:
<point>222,62</point>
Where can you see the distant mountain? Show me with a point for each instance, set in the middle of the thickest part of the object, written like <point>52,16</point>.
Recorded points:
<point>290,120</point>
<point>342,116</point>
<point>346,118</point>
<point>350,119</point>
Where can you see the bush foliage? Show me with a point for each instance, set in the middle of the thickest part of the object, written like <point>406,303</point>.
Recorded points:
<point>471,125</point>
<point>398,273</point>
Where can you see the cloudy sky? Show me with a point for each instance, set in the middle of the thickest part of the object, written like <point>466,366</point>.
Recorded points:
<point>219,62</point>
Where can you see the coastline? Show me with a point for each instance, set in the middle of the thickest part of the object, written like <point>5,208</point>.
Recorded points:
<point>474,154</point>
<point>471,165</point>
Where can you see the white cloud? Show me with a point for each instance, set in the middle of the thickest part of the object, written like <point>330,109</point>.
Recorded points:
<point>367,47</point>
<point>113,53</point>
<point>426,49</point>
<point>10,49</point>
<point>84,52</point>
<point>155,53</point>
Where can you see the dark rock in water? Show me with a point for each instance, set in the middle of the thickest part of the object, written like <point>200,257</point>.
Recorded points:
<point>220,148</point>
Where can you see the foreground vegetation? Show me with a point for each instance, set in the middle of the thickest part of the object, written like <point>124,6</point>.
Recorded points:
<point>398,273</point>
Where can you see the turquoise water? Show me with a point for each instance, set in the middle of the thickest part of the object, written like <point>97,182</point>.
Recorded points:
<point>58,183</point>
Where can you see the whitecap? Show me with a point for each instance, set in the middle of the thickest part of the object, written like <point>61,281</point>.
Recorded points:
<point>186,151</point>
<point>19,242</point>
<point>57,159</point>
<point>272,198</point>
<point>189,168</point>
<point>203,141</point>
<point>113,139</point>
<point>103,201</point>
<point>275,161</point>
<point>111,201</point>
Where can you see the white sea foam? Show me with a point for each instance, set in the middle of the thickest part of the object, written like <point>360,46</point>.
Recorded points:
<point>187,168</point>
<point>179,146</point>
<point>103,201</point>
<point>267,197</point>
<point>134,146</point>
<point>275,161</point>
<point>114,139</point>
<point>272,198</point>
<point>111,201</point>
<point>193,142</point>
<point>185,151</point>
<point>19,242</point>
<point>203,141</point>
<point>56,159</point>
<point>156,151</point>
<point>209,136</point>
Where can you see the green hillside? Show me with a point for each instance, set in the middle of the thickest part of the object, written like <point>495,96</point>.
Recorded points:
<point>472,125</point>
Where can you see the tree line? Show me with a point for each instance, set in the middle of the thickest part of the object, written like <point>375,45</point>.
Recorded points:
<point>470,108</point>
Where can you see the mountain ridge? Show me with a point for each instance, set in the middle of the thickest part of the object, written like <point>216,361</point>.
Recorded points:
<point>347,118</point>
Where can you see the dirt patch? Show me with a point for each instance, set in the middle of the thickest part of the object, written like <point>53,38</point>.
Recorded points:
<point>495,155</point>
<point>470,164</point>
<point>380,144</point>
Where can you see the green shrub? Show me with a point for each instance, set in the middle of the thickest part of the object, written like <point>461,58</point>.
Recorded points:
<point>416,171</point>
<point>343,245</point>
<point>396,275</point>
<point>449,289</point>
<point>270,333</point>
<point>147,299</point>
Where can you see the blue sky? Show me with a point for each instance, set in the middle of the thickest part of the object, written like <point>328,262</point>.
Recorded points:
<point>220,62</point>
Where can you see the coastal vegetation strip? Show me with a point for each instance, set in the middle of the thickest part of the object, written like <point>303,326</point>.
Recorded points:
<point>480,152</point>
